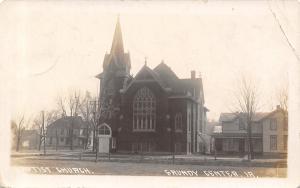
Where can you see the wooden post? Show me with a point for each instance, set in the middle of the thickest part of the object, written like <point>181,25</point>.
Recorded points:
<point>56,136</point>
<point>41,137</point>
<point>96,145</point>
<point>215,150</point>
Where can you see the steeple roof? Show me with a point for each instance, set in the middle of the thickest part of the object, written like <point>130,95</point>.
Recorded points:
<point>117,57</point>
<point>117,44</point>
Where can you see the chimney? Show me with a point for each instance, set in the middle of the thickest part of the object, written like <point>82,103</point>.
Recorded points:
<point>193,74</point>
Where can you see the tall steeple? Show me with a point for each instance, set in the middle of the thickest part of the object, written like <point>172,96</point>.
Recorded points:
<point>116,71</point>
<point>117,44</point>
<point>117,57</point>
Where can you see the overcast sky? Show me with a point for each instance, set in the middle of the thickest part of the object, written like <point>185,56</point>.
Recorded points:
<point>49,49</point>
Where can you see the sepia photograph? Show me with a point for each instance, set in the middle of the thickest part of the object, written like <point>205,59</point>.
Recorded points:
<point>196,91</point>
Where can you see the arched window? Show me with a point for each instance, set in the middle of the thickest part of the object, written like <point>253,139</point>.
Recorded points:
<point>144,110</point>
<point>178,121</point>
<point>104,130</point>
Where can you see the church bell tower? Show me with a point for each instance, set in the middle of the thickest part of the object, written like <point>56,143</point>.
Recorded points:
<point>116,71</point>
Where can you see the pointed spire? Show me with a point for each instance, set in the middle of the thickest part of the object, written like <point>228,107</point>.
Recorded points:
<point>117,44</point>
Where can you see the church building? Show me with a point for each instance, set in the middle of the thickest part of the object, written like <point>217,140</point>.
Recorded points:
<point>153,111</point>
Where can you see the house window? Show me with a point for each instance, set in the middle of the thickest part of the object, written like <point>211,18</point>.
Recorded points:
<point>50,142</point>
<point>285,142</point>
<point>230,144</point>
<point>144,110</point>
<point>273,142</point>
<point>178,121</point>
<point>273,124</point>
<point>241,124</point>
<point>285,124</point>
<point>62,139</point>
<point>62,131</point>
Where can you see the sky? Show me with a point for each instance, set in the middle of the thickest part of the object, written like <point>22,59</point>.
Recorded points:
<point>52,48</point>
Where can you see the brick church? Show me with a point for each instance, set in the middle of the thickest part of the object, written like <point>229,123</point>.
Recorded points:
<point>153,111</point>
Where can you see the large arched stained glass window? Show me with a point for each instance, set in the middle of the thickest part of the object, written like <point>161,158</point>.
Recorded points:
<point>144,110</point>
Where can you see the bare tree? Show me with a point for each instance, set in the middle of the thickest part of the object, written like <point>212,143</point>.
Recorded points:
<point>86,113</point>
<point>18,125</point>
<point>74,103</point>
<point>70,107</point>
<point>247,103</point>
<point>93,119</point>
<point>282,98</point>
<point>85,107</point>
<point>61,105</point>
<point>44,119</point>
<point>37,125</point>
<point>50,117</point>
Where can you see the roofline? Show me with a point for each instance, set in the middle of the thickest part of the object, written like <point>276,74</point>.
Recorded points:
<point>183,97</point>
<point>271,113</point>
<point>237,115</point>
<point>135,81</point>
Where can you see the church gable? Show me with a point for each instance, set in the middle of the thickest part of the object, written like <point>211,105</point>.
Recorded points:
<point>146,75</point>
<point>165,71</point>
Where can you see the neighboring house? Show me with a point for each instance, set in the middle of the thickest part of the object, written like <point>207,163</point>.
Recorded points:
<point>30,139</point>
<point>269,133</point>
<point>155,111</point>
<point>59,132</point>
<point>275,132</point>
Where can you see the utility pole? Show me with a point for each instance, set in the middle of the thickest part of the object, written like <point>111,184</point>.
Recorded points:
<point>173,139</point>
<point>96,122</point>
<point>44,132</point>
<point>88,125</point>
<point>40,138</point>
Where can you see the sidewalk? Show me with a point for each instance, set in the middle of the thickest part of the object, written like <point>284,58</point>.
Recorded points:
<point>79,155</point>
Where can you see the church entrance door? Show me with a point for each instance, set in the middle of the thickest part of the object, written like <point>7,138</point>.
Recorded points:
<point>104,135</point>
